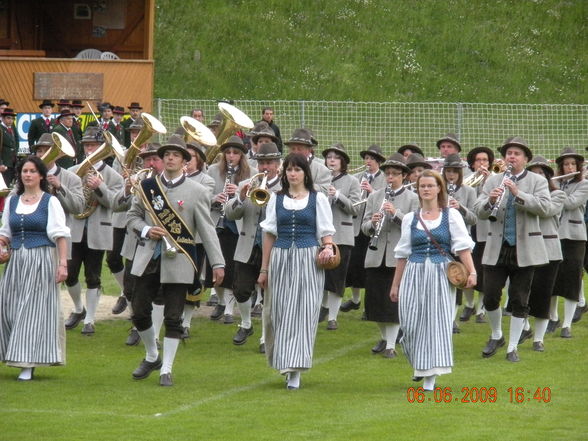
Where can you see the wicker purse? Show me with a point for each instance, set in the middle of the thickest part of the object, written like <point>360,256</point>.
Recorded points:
<point>333,262</point>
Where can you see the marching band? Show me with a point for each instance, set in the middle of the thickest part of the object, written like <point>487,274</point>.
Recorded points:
<point>188,214</point>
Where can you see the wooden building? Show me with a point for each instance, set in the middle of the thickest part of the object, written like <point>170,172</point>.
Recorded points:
<point>93,50</point>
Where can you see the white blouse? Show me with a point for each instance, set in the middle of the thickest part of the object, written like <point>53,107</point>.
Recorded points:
<point>460,238</point>
<point>324,215</point>
<point>56,226</point>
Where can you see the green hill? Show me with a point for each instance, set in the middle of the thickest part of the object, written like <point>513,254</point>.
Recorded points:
<point>526,51</point>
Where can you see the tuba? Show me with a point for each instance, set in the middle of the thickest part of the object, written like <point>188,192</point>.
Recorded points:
<point>233,121</point>
<point>110,147</point>
<point>196,131</point>
<point>258,192</point>
<point>152,125</point>
<point>60,148</point>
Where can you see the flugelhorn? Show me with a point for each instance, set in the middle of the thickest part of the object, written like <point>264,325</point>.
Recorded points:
<point>151,126</point>
<point>233,121</point>
<point>258,192</point>
<point>60,148</point>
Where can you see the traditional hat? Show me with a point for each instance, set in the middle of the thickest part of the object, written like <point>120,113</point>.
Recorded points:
<point>151,149</point>
<point>8,112</point>
<point>137,124</point>
<point>413,147</point>
<point>4,102</point>
<point>135,105</point>
<point>175,142</point>
<point>396,160</point>
<point>301,136</point>
<point>339,149</point>
<point>44,141</point>
<point>236,142</point>
<point>516,141</point>
<point>453,161</point>
<point>46,103</point>
<point>262,129</point>
<point>64,113</point>
<point>568,152</point>
<point>312,137</point>
<point>452,138</point>
<point>119,110</point>
<point>268,150</point>
<point>373,150</point>
<point>105,106</point>
<point>92,134</point>
<point>216,121</point>
<point>198,148</point>
<point>417,160</point>
<point>77,103</point>
<point>540,161</point>
<point>471,158</point>
<point>63,103</point>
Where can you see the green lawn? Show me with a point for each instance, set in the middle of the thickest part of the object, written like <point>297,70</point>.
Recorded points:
<point>224,392</point>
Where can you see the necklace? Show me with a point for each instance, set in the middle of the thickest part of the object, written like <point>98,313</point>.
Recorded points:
<point>31,198</point>
<point>296,196</point>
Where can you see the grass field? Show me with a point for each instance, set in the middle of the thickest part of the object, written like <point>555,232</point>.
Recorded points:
<point>224,392</point>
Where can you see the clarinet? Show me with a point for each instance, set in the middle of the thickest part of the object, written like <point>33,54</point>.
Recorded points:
<point>220,225</point>
<point>450,191</point>
<point>507,175</point>
<point>388,197</point>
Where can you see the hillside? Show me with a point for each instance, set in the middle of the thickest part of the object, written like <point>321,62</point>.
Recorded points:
<point>527,51</point>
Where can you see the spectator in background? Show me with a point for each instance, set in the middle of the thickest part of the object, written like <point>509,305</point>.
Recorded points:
<point>198,114</point>
<point>64,127</point>
<point>117,129</point>
<point>41,125</point>
<point>267,115</point>
<point>76,108</point>
<point>135,114</point>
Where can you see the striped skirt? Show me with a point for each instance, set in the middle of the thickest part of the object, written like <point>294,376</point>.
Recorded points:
<point>291,307</point>
<point>425,303</point>
<point>31,325</point>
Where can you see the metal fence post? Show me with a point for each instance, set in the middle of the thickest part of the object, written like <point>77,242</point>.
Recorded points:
<point>459,120</point>
<point>302,113</point>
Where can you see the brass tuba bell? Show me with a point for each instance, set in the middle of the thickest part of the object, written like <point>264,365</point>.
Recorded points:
<point>196,131</point>
<point>233,121</point>
<point>151,126</point>
<point>60,148</point>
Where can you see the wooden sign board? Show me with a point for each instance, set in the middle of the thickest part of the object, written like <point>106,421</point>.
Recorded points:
<point>76,86</point>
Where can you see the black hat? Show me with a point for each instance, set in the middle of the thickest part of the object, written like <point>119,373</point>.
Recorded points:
<point>396,160</point>
<point>417,160</point>
<point>471,158</point>
<point>46,103</point>
<point>268,150</point>
<point>452,138</point>
<point>135,106</point>
<point>77,103</point>
<point>413,147</point>
<point>4,102</point>
<point>339,149</point>
<point>64,113</point>
<point>45,140</point>
<point>453,161</point>
<point>175,142</point>
<point>198,148</point>
<point>63,103</point>
<point>151,149</point>
<point>516,141</point>
<point>8,112</point>
<point>92,134</point>
<point>119,110</point>
<point>568,152</point>
<point>373,150</point>
<point>236,142</point>
<point>540,161</point>
<point>301,136</point>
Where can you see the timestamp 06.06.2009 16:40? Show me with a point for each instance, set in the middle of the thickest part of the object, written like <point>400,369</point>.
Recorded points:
<point>514,394</point>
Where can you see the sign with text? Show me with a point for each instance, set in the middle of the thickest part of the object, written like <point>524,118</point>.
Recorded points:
<point>77,86</point>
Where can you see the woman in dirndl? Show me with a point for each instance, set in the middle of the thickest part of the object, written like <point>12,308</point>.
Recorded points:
<point>425,296</point>
<point>298,220</point>
<point>33,228</point>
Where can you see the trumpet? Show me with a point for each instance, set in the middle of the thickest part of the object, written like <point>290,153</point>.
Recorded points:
<point>507,175</point>
<point>388,197</point>
<point>258,193</point>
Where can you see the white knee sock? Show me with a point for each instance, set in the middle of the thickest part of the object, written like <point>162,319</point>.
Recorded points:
<point>170,347</point>
<point>75,292</point>
<point>356,295</point>
<point>516,328</point>
<point>429,382</point>
<point>540,329</point>
<point>148,338</point>
<point>245,310</point>
<point>495,319</point>
<point>569,309</point>
<point>157,318</point>
<point>334,302</point>
<point>188,313</point>
<point>391,334</point>
<point>220,293</point>
<point>480,306</point>
<point>582,299</point>
<point>526,325</point>
<point>119,277</point>
<point>262,338</point>
<point>92,299</point>
<point>553,314</point>
<point>455,307</point>
<point>229,301</point>
<point>468,295</point>
<point>382,327</point>
<point>259,297</point>
<point>294,379</point>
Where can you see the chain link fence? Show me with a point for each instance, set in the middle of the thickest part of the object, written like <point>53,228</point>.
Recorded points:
<point>546,127</point>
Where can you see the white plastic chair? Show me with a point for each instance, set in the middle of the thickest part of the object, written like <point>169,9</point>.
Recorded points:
<point>109,56</point>
<point>89,54</point>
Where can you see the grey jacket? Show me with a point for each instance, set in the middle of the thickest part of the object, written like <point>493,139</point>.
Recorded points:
<point>571,225</point>
<point>343,209</point>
